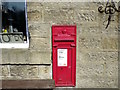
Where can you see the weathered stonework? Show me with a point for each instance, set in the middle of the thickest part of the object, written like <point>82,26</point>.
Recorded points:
<point>40,57</point>
<point>32,72</point>
<point>97,47</point>
<point>5,71</point>
<point>98,42</point>
<point>42,30</point>
<point>99,68</point>
<point>45,72</point>
<point>14,56</point>
<point>26,72</point>
<point>59,16</point>
<point>18,72</point>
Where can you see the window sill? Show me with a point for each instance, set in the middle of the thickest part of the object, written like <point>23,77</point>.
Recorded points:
<point>14,45</point>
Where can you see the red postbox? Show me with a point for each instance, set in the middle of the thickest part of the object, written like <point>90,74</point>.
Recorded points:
<point>64,55</point>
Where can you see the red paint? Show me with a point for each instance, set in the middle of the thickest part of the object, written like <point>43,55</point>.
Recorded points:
<point>64,37</point>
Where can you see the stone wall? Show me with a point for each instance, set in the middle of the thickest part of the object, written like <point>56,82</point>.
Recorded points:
<point>97,47</point>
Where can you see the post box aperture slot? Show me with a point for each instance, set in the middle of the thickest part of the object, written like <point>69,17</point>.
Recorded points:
<point>64,40</point>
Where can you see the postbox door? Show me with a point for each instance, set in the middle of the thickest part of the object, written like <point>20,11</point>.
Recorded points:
<point>63,72</point>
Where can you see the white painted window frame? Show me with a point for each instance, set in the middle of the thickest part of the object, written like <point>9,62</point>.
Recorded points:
<point>23,45</point>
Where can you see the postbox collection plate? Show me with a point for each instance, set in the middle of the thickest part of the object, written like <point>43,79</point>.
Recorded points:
<point>64,55</point>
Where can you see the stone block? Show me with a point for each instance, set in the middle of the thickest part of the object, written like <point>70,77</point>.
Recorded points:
<point>60,16</point>
<point>97,42</point>
<point>32,72</point>
<point>101,57</point>
<point>93,82</point>
<point>50,5</point>
<point>97,29</point>
<point>24,72</point>
<point>18,71</point>
<point>97,69</point>
<point>34,16</point>
<point>103,21</point>
<point>110,43</point>
<point>40,43</point>
<point>92,28</point>
<point>107,82</point>
<point>87,5</point>
<point>45,72</point>
<point>15,56</point>
<point>0,71</point>
<point>85,16</point>
<point>4,71</point>
<point>40,57</point>
<point>39,29</point>
<point>34,6</point>
<point>83,82</point>
<point>34,11</point>
<point>89,42</point>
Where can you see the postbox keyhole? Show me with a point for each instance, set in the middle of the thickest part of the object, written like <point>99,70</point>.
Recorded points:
<point>64,31</point>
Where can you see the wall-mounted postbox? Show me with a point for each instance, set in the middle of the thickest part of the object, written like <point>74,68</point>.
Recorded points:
<point>64,55</point>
